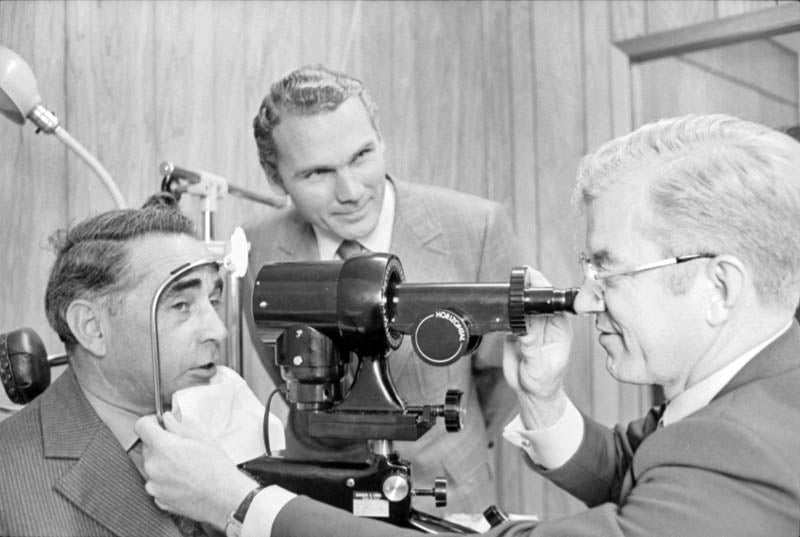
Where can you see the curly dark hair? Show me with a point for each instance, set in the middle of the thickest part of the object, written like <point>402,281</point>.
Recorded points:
<point>92,256</point>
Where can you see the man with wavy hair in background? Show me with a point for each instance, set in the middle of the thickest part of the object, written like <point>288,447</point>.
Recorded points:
<point>319,141</point>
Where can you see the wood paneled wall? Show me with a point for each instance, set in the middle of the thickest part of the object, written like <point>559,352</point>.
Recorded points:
<point>494,98</point>
<point>754,80</point>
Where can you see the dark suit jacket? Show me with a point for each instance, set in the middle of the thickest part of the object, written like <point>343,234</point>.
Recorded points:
<point>65,474</point>
<point>731,469</point>
<point>439,236</point>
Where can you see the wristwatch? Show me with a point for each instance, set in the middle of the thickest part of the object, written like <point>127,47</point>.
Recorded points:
<point>233,526</point>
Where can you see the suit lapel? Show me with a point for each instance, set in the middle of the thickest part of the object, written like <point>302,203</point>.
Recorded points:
<point>777,358</point>
<point>417,236</point>
<point>296,239</point>
<point>103,483</point>
<point>418,241</point>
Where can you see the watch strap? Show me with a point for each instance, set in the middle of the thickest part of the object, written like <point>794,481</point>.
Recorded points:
<point>241,511</point>
<point>233,528</point>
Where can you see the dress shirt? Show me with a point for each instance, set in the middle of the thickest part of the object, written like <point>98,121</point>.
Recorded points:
<point>121,423</point>
<point>555,445</point>
<point>263,510</point>
<point>550,447</point>
<point>378,240</point>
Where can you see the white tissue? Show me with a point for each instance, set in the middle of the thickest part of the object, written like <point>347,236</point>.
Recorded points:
<point>231,414</point>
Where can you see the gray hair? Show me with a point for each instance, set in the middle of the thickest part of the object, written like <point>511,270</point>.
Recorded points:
<point>719,185</point>
<point>92,258</point>
<point>304,92</point>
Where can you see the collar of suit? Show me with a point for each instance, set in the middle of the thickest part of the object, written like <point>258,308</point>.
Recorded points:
<point>102,481</point>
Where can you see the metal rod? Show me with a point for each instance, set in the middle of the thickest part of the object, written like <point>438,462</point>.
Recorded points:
<point>233,321</point>
<point>253,196</point>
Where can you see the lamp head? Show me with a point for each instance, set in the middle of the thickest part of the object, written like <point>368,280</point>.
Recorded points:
<point>19,93</point>
<point>20,100</point>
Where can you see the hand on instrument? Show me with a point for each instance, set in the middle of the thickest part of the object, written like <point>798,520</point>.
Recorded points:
<point>534,365</point>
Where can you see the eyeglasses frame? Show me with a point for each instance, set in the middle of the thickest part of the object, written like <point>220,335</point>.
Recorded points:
<point>592,274</point>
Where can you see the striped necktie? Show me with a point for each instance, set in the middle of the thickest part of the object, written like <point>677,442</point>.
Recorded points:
<point>350,249</point>
<point>661,410</point>
<point>655,419</point>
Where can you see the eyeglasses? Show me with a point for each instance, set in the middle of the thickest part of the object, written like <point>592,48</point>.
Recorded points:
<point>593,274</point>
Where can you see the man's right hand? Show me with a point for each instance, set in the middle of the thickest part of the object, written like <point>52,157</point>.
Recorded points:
<point>534,366</point>
<point>189,474</point>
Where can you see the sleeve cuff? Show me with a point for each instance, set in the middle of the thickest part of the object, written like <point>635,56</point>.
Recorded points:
<point>263,511</point>
<point>551,447</point>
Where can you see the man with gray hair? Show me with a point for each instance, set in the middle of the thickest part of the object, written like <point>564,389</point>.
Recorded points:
<point>692,268</point>
<point>319,141</point>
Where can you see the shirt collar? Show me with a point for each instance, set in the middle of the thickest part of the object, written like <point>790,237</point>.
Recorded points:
<point>378,240</point>
<point>119,420</point>
<point>699,395</point>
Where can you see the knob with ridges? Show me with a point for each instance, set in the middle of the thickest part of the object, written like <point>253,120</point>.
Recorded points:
<point>517,284</point>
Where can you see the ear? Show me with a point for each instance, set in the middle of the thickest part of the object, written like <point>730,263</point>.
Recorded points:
<point>85,319</point>
<point>728,277</point>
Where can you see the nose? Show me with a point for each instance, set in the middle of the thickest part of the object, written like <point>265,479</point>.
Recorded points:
<point>590,298</point>
<point>213,329</point>
<point>348,187</point>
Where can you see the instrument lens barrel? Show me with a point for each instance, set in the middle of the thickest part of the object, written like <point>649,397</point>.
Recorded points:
<point>542,300</point>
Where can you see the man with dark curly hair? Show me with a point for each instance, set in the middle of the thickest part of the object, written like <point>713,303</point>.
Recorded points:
<point>70,461</point>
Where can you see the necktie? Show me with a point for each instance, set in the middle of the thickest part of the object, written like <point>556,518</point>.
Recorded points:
<point>346,250</point>
<point>653,420</point>
<point>350,249</point>
<point>656,417</point>
<point>661,410</point>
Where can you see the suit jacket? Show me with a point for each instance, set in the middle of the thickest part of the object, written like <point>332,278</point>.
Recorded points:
<point>65,474</point>
<point>730,469</point>
<point>439,236</point>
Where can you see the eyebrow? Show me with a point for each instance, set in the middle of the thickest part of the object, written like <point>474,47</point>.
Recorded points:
<point>367,145</point>
<point>191,283</point>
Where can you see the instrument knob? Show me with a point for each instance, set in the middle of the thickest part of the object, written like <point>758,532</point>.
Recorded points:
<point>439,492</point>
<point>453,411</point>
<point>517,319</point>
<point>395,487</point>
<point>495,516</point>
